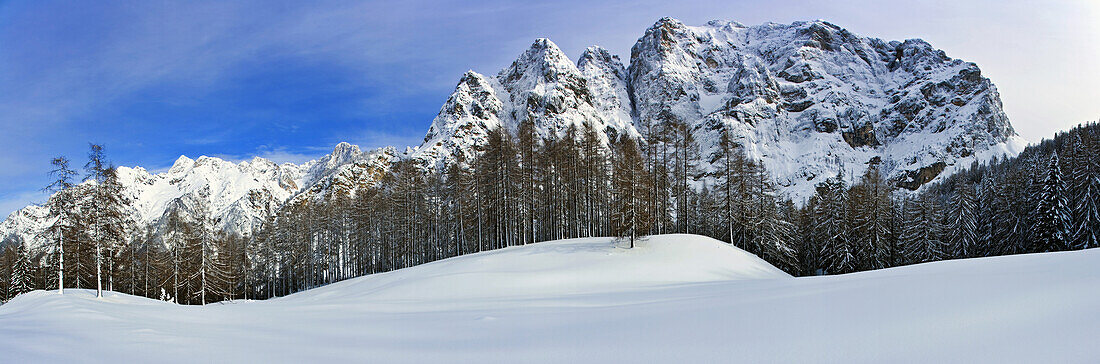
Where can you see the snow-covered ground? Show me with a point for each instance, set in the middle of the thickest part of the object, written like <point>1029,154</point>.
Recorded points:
<point>674,299</point>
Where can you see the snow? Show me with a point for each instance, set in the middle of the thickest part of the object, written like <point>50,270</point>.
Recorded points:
<point>239,195</point>
<point>676,298</point>
<point>719,76</point>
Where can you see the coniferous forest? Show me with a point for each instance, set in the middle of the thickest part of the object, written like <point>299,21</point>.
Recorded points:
<point>523,189</point>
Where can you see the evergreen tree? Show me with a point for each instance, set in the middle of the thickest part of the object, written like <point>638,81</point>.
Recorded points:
<point>22,278</point>
<point>1085,193</point>
<point>830,222</point>
<point>1052,212</point>
<point>921,237</point>
<point>963,224</point>
<point>871,213</point>
<point>987,219</point>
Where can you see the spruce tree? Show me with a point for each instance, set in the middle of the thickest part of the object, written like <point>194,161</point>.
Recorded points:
<point>1052,211</point>
<point>1085,193</point>
<point>837,254</point>
<point>22,278</point>
<point>922,236</point>
<point>963,224</point>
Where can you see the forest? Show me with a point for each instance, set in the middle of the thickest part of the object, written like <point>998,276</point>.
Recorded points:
<point>524,189</point>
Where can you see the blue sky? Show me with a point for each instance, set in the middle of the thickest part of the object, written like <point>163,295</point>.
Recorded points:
<point>153,80</point>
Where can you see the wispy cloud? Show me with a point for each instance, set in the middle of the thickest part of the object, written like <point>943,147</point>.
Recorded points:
<point>277,155</point>
<point>371,139</point>
<point>284,156</point>
<point>12,202</point>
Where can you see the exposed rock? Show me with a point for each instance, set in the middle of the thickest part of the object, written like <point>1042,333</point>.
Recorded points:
<point>912,180</point>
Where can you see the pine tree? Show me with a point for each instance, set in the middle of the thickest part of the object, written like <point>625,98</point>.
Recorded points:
<point>870,208</point>
<point>22,278</point>
<point>963,224</point>
<point>1052,212</point>
<point>987,218</point>
<point>1085,192</point>
<point>775,234</point>
<point>830,223</point>
<point>921,236</point>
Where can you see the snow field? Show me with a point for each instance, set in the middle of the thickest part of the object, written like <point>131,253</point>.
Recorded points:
<point>675,298</point>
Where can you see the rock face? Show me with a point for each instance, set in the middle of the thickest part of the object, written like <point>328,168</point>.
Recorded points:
<point>544,87</point>
<point>808,100</point>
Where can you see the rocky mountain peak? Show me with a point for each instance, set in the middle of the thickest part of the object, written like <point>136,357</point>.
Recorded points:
<point>808,100</point>
<point>542,62</point>
<point>182,163</point>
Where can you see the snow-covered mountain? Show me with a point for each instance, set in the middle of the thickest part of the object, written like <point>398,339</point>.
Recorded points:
<point>238,195</point>
<point>808,99</point>
<point>542,86</point>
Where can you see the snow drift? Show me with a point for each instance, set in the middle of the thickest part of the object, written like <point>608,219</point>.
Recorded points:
<point>677,298</point>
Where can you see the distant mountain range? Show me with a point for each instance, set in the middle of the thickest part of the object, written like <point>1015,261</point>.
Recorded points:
<point>809,100</point>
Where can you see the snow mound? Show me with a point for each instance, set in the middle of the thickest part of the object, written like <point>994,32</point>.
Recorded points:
<point>557,268</point>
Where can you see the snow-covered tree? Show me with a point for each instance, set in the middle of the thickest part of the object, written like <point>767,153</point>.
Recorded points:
<point>963,224</point>
<point>1052,211</point>
<point>22,276</point>
<point>870,214</point>
<point>831,227</point>
<point>1085,194</point>
<point>921,236</point>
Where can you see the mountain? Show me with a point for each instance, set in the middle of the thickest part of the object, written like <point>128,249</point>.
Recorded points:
<point>238,195</point>
<point>542,86</point>
<point>808,99</point>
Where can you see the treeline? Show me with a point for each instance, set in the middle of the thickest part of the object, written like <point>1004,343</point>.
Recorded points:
<point>524,188</point>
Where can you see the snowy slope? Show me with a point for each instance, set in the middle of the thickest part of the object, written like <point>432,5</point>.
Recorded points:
<point>563,267</point>
<point>691,300</point>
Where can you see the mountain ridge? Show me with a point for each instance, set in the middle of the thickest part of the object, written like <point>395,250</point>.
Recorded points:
<point>810,100</point>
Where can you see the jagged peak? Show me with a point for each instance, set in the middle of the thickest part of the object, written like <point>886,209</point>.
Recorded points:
<point>544,43</point>
<point>257,160</point>
<point>346,149</point>
<point>597,54</point>
<point>542,55</point>
<point>543,50</point>
<point>472,80</point>
<point>471,74</point>
<point>181,163</point>
<point>726,24</point>
<point>666,22</point>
